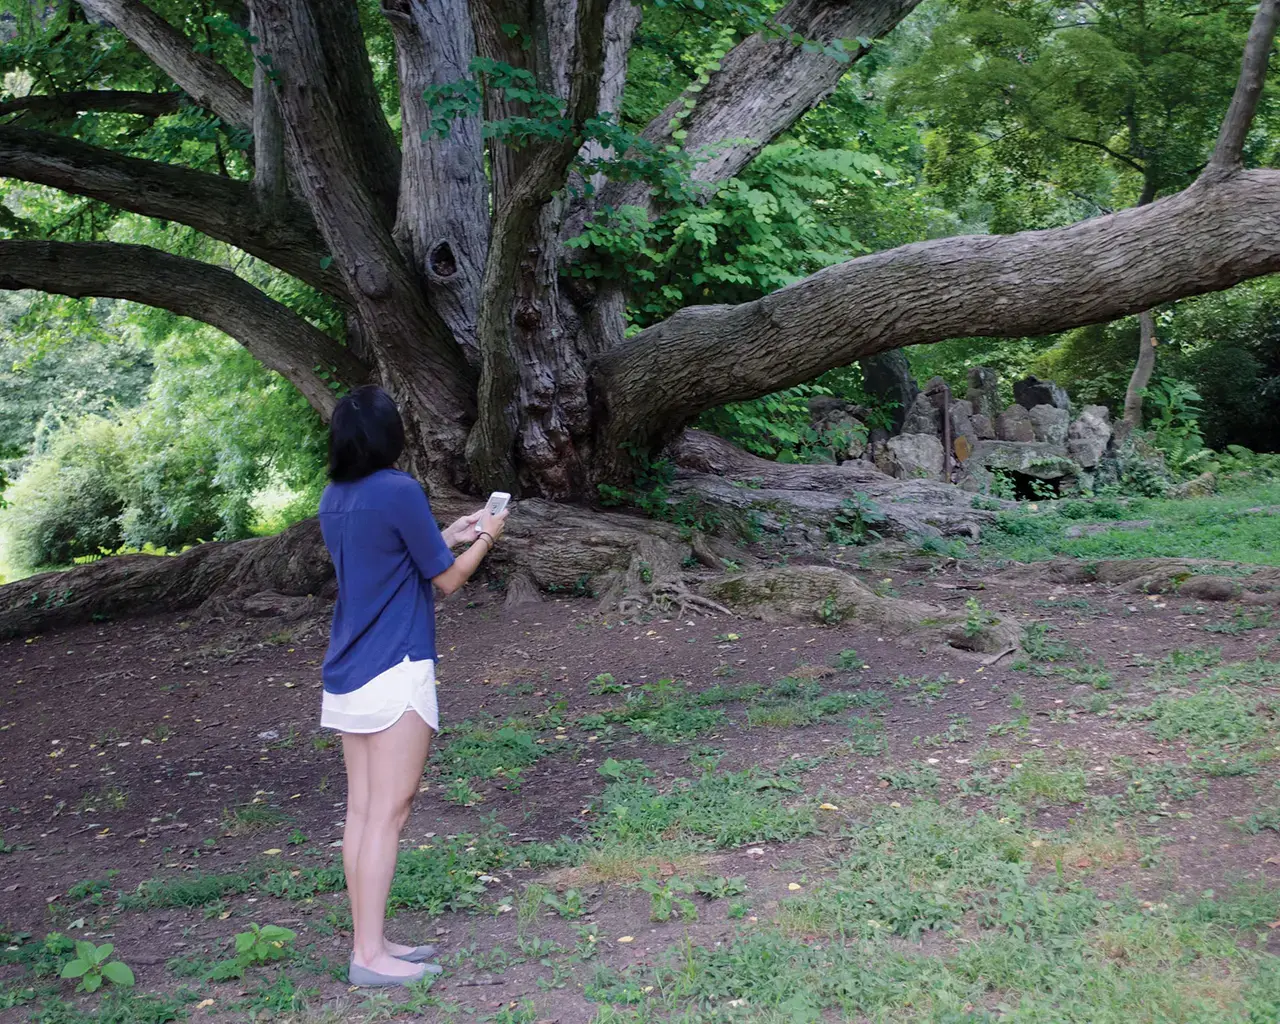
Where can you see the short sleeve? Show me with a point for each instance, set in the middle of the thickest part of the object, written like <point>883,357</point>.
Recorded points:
<point>417,528</point>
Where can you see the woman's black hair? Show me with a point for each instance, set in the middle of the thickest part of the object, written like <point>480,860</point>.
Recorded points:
<point>366,434</point>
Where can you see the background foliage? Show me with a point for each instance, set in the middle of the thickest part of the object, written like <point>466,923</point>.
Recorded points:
<point>126,427</point>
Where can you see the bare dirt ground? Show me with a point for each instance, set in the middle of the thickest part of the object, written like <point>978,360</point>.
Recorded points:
<point>138,754</point>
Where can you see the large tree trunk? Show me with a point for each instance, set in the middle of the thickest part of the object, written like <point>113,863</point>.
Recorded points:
<point>509,373</point>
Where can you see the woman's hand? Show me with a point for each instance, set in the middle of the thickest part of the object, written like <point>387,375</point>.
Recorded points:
<point>492,525</point>
<point>463,531</point>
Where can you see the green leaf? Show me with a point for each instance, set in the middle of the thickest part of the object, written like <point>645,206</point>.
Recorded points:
<point>227,970</point>
<point>117,973</point>
<point>91,982</point>
<point>75,969</point>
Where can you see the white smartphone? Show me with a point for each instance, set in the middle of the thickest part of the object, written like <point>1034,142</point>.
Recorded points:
<point>497,502</point>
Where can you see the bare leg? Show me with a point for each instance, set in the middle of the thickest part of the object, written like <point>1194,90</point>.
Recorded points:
<point>395,758</point>
<point>355,751</point>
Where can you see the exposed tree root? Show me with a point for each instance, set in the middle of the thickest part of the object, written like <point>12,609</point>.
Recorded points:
<point>1199,578</point>
<point>829,595</point>
<point>630,563</point>
<point>797,503</point>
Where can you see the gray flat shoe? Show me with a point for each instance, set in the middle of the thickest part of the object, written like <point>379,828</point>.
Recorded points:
<point>362,977</point>
<point>418,955</point>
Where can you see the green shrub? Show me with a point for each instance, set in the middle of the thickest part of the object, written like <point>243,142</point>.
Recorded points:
<point>216,430</point>
<point>69,501</point>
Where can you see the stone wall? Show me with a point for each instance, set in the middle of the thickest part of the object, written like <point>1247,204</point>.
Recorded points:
<point>968,440</point>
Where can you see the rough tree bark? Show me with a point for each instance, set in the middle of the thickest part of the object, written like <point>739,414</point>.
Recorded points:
<point>450,277</point>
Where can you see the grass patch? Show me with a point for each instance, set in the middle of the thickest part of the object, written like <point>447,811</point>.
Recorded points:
<point>721,810</point>
<point>1218,527</point>
<point>474,751</point>
<point>1210,716</point>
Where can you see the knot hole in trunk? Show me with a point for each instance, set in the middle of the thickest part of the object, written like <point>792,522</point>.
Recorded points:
<point>441,261</point>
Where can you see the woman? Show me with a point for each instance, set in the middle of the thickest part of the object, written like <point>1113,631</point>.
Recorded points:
<point>379,671</point>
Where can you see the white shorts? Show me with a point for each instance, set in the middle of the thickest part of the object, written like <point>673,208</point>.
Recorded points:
<point>381,702</point>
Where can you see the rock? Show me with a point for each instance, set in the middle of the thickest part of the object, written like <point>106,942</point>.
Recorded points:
<point>1094,529</point>
<point>840,426</point>
<point>963,446</point>
<point>1201,487</point>
<point>1014,424</point>
<point>923,417</point>
<point>974,478</point>
<point>1135,464</point>
<point>1050,424</point>
<point>912,457</point>
<point>1033,391</point>
<point>962,419</point>
<point>1035,459</point>
<point>983,425</point>
<point>984,392</point>
<point>887,377</point>
<point>1089,436</point>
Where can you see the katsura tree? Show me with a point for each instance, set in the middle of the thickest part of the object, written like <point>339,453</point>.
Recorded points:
<point>420,177</point>
<point>1043,111</point>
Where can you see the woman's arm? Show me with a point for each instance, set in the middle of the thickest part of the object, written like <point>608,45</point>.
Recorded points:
<point>465,565</point>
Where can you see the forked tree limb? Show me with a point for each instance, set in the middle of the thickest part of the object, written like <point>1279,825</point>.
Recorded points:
<point>207,82</point>
<point>114,101</point>
<point>762,87</point>
<point>348,169</point>
<point>219,207</point>
<point>274,335</point>
<point>330,103</point>
<point>1207,238</point>
<point>1228,154</point>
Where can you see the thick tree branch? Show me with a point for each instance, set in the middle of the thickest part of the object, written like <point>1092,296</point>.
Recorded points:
<point>64,105</point>
<point>1206,238</point>
<point>329,100</point>
<point>277,337</point>
<point>216,206</point>
<point>763,86</point>
<point>1228,154</point>
<point>442,223</point>
<point>348,168</point>
<point>202,78</point>
<point>270,172</point>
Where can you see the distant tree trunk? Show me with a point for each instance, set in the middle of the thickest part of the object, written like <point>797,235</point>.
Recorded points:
<point>1146,363</point>
<point>1142,371</point>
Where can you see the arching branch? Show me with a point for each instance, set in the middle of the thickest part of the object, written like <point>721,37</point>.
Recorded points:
<point>1206,238</point>
<point>207,82</point>
<point>114,101</point>
<point>216,206</point>
<point>277,337</point>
